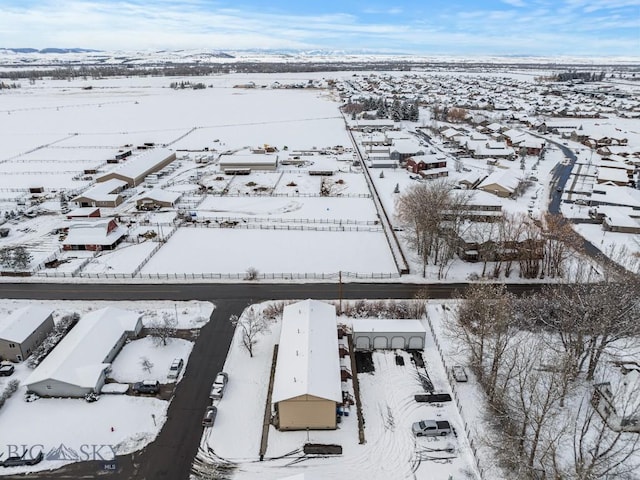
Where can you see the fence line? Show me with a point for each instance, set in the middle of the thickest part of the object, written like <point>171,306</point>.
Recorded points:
<point>333,221</point>
<point>260,226</point>
<point>229,276</point>
<point>452,382</point>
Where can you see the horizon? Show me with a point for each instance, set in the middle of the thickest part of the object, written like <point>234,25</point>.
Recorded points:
<point>518,28</point>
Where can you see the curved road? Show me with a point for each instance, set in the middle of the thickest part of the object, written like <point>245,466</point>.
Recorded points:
<point>171,454</point>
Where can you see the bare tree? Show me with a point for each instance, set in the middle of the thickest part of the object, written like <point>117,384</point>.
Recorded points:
<point>251,325</point>
<point>146,364</point>
<point>432,217</point>
<point>161,330</point>
<point>251,274</point>
<point>560,244</point>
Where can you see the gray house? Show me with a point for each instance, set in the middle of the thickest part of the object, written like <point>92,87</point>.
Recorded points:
<point>23,331</point>
<point>376,334</point>
<point>79,363</point>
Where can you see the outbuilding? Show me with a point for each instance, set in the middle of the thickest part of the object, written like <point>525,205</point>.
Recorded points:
<point>307,385</point>
<point>23,330</point>
<point>377,334</point>
<point>135,170</point>
<point>79,363</point>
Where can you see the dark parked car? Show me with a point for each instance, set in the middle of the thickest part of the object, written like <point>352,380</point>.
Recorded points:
<point>209,416</point>
<point>6,370</point>
<point>459,373</point>
<point>147,386</point>
<point>22,461</point>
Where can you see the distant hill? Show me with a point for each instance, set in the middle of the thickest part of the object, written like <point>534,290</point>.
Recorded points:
<point>48,50</point>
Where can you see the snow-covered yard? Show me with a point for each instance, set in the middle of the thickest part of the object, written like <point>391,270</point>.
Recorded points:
<point>390,451</point>
<point>69,430</point>
<point>233,251</point>
<point>128,366</point>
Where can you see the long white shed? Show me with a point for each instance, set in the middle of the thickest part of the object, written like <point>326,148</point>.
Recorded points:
<point>377,334</point>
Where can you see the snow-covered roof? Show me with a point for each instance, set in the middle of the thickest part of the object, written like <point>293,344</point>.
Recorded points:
<point>308,360</point>
<point>79,358</point>
<point>103,192</point>
<point>249,159</point>
<point>160,195</point>
<point>507,179</point>
<point>82,212</point>
<point>94,233</point>
<point>383,325</point>
<point>141,165</point>
<point>23,322</point>
<point>612,174</point>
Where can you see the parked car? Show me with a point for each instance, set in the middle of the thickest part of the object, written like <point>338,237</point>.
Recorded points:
<point>219,386</point>
<point>209,416</point>
<point>147,386</point>
<point>175,368</point>
<point>6,370</point>
<point>459,373</point>
<point>22,461</point>
<point>431,428</point>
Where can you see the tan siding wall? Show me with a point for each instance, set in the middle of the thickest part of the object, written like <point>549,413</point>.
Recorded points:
<point>305,412</point>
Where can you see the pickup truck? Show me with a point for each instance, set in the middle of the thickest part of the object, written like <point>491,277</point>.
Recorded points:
<point>431,428</point>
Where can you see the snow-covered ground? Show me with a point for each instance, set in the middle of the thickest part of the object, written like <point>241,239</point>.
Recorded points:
<point>233,251</point>
<point>390,451</point>
<point>128,366</point>
<point>69,430</point>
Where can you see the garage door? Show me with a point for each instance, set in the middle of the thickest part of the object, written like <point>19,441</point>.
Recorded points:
<point>416,343</point>
<point>397,342</point>
<point>380,343</point>
<point>362,343</point>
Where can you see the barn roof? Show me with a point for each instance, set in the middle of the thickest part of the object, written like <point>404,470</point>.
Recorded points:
<point>79,357</point>
<point>308,360</point>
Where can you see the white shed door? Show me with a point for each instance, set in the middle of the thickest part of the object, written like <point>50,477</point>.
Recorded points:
<point>362,343</point>
<point>416,343</point>
<point>380,343</point>
<point>397,342</point>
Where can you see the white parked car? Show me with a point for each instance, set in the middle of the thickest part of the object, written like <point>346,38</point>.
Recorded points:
<point>219,385</point>
<point>175,368</point>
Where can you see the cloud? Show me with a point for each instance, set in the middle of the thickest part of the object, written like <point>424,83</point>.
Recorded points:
<point>515,3</point>
<point>535,27</point>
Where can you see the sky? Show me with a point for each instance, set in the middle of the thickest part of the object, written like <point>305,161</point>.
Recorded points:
<point>597,28</point>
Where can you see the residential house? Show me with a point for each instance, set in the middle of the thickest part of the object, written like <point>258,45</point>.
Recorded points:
<point>96,235</point>
<point>23,330</point>
<point>78,365</point>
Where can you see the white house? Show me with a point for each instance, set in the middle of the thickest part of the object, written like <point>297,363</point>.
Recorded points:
<point>79,363</point>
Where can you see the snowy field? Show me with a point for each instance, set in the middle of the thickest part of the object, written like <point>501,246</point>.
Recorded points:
<point>390,451</point>
<point>233,251</point>
<point>121,424</point>
<point>290,209</point>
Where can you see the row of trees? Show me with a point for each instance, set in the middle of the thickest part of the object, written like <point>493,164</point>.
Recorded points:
<point>397,110</point>
<point>536,358</point>
<point>436,218</point>
<point>184,85</point>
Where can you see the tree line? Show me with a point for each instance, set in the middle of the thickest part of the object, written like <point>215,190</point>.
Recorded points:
<point>396,111</point>
<point>536,359</point>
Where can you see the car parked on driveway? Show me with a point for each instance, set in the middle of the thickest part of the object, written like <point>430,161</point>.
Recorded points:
<point>175,368</point>
<point>147,386</point>
<point>22,461</point>
<point>459,373</point>
<point>431,428</point>
<point>209,416</point>
<point>219,386</point>
<point>6,370</point>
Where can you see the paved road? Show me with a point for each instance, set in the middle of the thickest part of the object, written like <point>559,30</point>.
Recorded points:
<point>561,174</point>
<point>170,455</point>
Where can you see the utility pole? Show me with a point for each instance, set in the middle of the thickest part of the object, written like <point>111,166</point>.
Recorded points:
<point>340,290</point>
